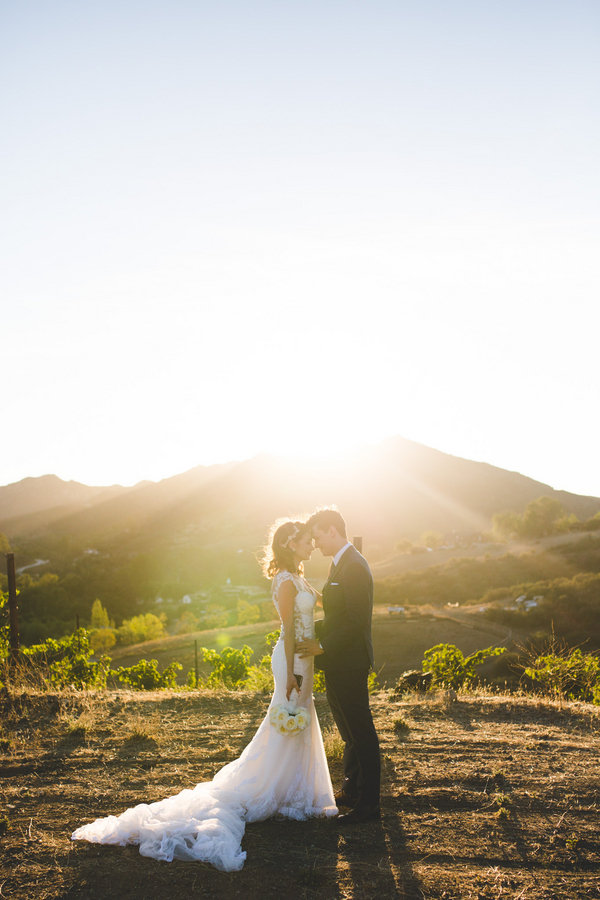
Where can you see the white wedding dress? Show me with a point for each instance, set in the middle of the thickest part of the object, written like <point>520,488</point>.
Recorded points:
<point>276,774</point>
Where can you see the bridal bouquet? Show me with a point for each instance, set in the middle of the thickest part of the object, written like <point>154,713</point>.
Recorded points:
<point>289,720</point>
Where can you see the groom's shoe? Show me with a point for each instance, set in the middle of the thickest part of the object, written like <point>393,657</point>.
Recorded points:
<point>343,799</point>
<point>360,814</point>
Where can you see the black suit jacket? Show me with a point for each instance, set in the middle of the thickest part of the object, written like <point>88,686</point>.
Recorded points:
<point>345,630</point>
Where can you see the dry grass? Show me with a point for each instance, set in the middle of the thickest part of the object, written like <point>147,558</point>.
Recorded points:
<point>485,797</point>
<point>334,745</point>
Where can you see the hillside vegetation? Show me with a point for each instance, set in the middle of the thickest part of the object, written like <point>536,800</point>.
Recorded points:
<point>152,569</point>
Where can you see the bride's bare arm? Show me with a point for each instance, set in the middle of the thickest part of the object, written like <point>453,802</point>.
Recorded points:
<point>286,596</point>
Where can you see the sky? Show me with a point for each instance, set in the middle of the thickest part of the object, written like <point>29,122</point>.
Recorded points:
<point>248,227</point>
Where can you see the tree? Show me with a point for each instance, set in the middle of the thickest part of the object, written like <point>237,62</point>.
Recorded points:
<point>99,617</point>
<point>186,622</point>
<point>102,639</point>
<point>247,613</point>
<point>506,525</point>
<point>141,628</point>
<point>540,517</point>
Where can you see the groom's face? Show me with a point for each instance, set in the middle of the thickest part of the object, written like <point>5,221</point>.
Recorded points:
<point>325,541</point>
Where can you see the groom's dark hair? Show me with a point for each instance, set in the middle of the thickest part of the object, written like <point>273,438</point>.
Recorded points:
<point>325,518</point>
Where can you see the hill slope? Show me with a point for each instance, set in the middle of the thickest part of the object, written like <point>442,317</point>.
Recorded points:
<point>395,488</point>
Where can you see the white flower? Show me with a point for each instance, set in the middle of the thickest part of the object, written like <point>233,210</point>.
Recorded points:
<point>290,725</point>
<point>301,720</point>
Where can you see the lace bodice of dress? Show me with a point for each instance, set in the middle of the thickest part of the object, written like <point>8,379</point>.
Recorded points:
<point>304,603</point>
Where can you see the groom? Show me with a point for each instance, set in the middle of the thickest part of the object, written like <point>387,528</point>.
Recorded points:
<point>345,653</point>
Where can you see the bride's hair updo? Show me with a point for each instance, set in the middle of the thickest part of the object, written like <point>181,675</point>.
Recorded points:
<point>278,555</point>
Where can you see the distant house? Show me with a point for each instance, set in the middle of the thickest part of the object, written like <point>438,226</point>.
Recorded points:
<point>396,610</point>
<point>186,599</point>
<point>526,604</point>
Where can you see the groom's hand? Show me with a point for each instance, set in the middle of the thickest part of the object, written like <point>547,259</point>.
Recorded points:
<point>308,648</point>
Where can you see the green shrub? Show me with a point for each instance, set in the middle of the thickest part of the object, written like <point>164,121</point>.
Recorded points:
<point>450,668</point>
<point>260,676</point>
<point>571,675</point>
<point>229,667</point>
<point>190,680</point>
<point>271,639</point>
<point>373,682</point>
<point>144,675</point>
<point>400,725</point>
<point>66,661</point>
<point>319,682</point>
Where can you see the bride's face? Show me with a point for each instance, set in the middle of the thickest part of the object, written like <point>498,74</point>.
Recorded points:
<point>302,547</point>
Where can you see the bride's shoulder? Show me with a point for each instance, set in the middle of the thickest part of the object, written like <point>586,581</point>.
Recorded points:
<point>284,575</point>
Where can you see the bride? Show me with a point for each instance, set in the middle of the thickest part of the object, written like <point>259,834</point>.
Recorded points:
<point>277,773</point>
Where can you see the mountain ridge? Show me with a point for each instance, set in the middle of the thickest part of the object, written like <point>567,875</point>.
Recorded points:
<point>392,488</point>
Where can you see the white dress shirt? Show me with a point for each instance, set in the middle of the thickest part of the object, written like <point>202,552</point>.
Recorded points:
<point>340,553</point>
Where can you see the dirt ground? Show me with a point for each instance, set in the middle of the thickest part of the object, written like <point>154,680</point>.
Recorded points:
<point>483,797</point>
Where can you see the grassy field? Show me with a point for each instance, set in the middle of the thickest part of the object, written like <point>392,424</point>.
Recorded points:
<point>484,797</point>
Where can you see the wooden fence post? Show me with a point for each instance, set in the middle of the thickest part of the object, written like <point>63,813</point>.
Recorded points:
<point>196,662</point>
<point>12,609</point>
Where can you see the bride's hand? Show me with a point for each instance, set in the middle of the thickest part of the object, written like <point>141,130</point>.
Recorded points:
<point>292,685</point>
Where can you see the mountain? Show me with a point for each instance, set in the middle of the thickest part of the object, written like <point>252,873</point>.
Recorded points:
<point>37,502</point>
<point>393,489</point>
